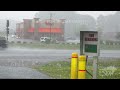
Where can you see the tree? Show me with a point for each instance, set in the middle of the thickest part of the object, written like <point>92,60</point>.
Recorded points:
<point>100,29</point>
<point>117,28</point>
<point>56,14</point>
<point>118,35</point>
<point>73,21</point>
<point>80,28</point>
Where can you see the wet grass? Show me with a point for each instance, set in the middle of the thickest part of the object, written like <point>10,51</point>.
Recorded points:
<point>110,47</point>
<point>61,70</point>
<point>45,46</point>
<point>60,46</point>
<point>56,70</point>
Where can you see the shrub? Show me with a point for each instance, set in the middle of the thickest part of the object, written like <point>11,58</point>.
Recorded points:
<point>18,41</point>
<point>47,41</point>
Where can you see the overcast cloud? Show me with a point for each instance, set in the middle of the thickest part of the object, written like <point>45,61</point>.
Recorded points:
<point>20,15</point>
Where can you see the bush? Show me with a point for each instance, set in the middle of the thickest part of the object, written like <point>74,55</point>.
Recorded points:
<point>18,41</point>
<point>12,42</point>
<point>53,41</point>
<point>24,42</point>
<point>47,41</point>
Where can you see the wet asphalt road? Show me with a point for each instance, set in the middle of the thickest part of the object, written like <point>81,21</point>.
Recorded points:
<point>15,62</point>
<point>7,72</point>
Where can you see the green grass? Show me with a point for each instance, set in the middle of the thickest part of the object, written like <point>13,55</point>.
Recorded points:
<point>56,70</point>
<point>61,70</point>
<point>110,47</point>
<point>60,46</point>
<point>45,46</point>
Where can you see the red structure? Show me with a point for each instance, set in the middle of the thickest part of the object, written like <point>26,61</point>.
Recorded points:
<point>35,29</point>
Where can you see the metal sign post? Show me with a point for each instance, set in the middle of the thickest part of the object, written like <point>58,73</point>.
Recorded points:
<point>89,45</point>
<point>7,33</point>
<point>81,43</point>
<point>96,59</point>
<point>95,67</point>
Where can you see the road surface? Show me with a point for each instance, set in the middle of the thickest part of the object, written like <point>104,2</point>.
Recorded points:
<point>7,72</point>
<point>15,62</point>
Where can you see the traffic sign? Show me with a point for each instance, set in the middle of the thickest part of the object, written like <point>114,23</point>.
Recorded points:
<point>89,43</point>
<point>90,48</point>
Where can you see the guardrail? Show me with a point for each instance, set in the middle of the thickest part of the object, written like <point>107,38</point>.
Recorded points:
<point>20,42</point>
<point>110,42</point>
<point>71,43</point>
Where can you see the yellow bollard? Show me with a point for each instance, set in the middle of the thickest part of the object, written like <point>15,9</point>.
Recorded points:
<point>74,66</point>
<point>82,67</point>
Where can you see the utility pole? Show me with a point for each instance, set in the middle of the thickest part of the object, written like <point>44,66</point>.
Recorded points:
<point>7,29</point>
<point>50,25</point>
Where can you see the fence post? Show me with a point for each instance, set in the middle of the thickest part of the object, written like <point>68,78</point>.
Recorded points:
<point>82,67</point>
<point>74,66</point>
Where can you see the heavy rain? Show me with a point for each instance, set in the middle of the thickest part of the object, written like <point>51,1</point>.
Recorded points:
<point>36,44</point>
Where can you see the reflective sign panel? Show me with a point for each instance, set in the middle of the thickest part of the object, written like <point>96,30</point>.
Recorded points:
<point>89,43</point>
<point>90,48</point>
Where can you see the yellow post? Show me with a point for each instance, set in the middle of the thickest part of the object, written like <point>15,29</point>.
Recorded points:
<point>82,67</point>
<point>74,66</point>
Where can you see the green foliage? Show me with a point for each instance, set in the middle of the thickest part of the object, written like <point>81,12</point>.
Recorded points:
<point>61,69</point>
<point>118,35</point>
<point>45,45</point>
<point>47,41</point>
<point>56,70</point>
<point>53,45</point>
<point>80,28</point>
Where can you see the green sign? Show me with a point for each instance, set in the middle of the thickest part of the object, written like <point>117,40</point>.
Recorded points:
<point>90,48</point>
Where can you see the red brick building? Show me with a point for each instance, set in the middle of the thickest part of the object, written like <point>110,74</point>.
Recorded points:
<point>36,28</point>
